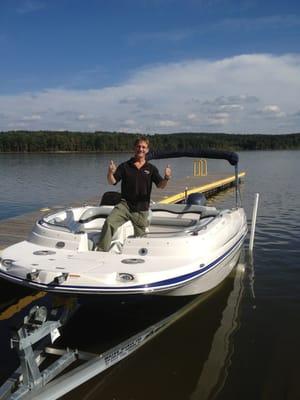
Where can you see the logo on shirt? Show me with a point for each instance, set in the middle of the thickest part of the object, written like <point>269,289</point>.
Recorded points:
<point>146,171</point>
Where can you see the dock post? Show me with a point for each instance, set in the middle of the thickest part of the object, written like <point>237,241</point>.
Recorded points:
<point>253,223</point>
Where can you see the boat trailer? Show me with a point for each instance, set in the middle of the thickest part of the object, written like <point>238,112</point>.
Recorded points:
<point>33,343</point>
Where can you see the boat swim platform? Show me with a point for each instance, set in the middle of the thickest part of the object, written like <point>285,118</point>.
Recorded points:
<point>16,229</point>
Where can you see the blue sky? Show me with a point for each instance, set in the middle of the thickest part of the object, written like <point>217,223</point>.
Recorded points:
<point>150,65</point>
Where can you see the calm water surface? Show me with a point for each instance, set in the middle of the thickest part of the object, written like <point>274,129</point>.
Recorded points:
<point>240,343</point>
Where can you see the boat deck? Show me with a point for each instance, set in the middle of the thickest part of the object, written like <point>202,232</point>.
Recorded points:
<point>13,230</point>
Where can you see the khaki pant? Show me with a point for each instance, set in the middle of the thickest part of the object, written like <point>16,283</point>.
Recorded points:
<point>119,215</point>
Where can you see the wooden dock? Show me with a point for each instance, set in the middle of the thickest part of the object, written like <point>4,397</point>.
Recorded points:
<point>177,190</point>
<point>16,229</point>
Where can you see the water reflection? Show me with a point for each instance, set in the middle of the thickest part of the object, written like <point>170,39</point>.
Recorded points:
<point>190,359</point>
<point>216,367</point>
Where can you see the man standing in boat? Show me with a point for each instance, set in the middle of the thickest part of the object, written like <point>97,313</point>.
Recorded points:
<point>136,176</point>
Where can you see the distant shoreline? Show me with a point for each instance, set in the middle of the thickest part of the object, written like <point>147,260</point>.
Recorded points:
<point>126,151</point>
<point>118,142</point>
<point>66,152</point>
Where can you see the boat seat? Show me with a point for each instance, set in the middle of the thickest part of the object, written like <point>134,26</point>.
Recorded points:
<point>203,211</point>
<point>93,213</point>
<point>168,221</point>
<point>118,238</point>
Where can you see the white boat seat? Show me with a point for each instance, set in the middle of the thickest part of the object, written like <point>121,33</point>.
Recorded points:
<point>168,221</point>
<point>118,238</point>
<point>93,213</point>
<point>203,211</point>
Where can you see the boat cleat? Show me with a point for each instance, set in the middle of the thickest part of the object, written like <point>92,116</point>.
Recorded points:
<point>61,278</point>
<point>33,275</point>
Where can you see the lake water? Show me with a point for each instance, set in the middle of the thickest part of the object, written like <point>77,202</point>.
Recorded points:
<point>240,343</point>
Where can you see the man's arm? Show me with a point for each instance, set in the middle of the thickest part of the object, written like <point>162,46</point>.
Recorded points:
<point>168,172</point>
<point>110,173</point>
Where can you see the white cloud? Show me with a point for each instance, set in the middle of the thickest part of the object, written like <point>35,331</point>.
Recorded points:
<point>218,119</point>
<point>32,118</point>
<point>16,125</point>
<point>129,122</point>
<point>232,107</point>
<point>167,123</point>
<point>192,116</point>
<point>272,109</point>
<point>245,93</point>
<point>222,115</point>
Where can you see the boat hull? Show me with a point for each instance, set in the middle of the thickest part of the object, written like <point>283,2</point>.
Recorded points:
<point>210,280</point>
<point>202,282</point>
<point>180,265</point>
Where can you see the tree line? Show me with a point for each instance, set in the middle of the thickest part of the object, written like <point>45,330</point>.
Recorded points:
<point>51,141</point>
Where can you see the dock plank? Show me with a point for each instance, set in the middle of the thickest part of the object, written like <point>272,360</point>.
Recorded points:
<point>177,190</point>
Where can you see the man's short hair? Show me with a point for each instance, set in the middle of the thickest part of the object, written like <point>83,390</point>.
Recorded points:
<point>141,139</point>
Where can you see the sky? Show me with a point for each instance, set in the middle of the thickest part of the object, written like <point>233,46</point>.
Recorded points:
<point>150,66</point>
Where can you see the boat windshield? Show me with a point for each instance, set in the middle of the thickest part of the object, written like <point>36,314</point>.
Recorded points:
<point>63,219</point>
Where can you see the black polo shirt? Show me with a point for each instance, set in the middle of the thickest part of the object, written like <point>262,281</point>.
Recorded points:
<point>136,183</point>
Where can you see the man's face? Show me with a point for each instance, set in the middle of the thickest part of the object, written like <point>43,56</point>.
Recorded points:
<point>141,149</point>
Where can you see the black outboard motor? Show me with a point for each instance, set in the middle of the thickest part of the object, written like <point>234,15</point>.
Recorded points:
<point>196,198</point>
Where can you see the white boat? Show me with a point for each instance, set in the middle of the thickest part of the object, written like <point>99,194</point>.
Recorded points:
<point>188,249</point>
